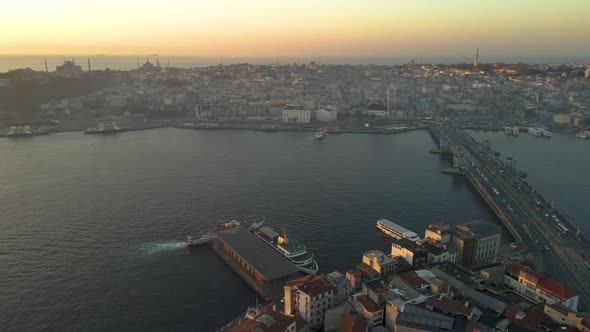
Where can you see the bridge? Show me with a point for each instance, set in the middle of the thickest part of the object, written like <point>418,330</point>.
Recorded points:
<point>527,216</point>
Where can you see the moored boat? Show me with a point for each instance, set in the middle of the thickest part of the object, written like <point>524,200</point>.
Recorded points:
<point>290,248</point>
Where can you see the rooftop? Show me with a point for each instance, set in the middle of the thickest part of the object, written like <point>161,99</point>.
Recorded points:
<point>479,228</point>
<point>542,282</point>
<point>269,263</point>
<point>368,304</point>
<point>352,323</point>
<point>311,284</point>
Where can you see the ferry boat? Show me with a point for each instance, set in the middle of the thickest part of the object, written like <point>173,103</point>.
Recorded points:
<point>292,249</point>
<point>515,131</point>
<point>320,134</point>
<point>535,132</point>
<point>104,128</point>
<point>508,130</point>
<point>545,132</point>
<point>396,231</point>
<point>583,134</point>
<point>252,224</point>
<point>20,131</point>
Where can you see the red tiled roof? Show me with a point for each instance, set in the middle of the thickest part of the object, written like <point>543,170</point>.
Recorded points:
<point>413,279</point>
<point>534,317</point>
<point>312,285</point>
<point>279,325</point>
<point>544,283</point>
<point>556,288</point>
<point>246,325</point>
<point>352,323</point>
<point>473,326</point>
<point>368,304</point>
<point>447,305</point>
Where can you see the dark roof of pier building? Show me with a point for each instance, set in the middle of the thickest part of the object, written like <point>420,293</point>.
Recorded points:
<point>262,258</point>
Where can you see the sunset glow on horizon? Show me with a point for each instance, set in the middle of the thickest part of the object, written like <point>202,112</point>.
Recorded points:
<point>284,28</point>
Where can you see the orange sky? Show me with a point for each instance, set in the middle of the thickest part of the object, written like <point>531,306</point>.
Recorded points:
<point>289,27</point>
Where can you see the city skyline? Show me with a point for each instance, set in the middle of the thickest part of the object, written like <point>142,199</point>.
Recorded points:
<point>295,28</point>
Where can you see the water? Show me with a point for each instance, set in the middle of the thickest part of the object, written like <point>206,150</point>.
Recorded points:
<point>557,167</point>
<point>91,226</point>
<point>36,62</point>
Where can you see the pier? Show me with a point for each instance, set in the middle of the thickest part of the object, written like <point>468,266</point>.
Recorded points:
<point>263,269</point>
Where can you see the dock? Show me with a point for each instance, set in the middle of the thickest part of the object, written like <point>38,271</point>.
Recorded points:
<point>261,267</point>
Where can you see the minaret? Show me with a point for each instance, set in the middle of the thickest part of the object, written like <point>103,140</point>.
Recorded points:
<point>137,63</point>
<point>388,108</point>
<point>157,62</point>
<point>46,69</point>
<point>73,61</point>
<point>89,69</point>
<point>476,59</point>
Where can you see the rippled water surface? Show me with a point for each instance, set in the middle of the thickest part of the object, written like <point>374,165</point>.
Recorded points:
<point>91,227</point>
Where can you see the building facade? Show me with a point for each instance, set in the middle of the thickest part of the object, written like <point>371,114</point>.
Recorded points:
<point>478,243</point>
<point>381,263</point>
<point>296,114</point>
<point>326,115</point>
<point>538,288</point>
<point>308,298</point>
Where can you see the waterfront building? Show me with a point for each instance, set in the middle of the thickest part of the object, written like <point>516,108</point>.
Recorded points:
<point>415,254</point>
<point>382,264</point>
<point>266,319</point>
<point>539,288</point>
<point>326,115</point>
<point>562,118</point>
<point>296,114</point>
<point>478,243</point>
<point>264,266</point>
<point>309,297</point>
<point>438,233</point>
<point>378,111</point>
<point>368,309</point>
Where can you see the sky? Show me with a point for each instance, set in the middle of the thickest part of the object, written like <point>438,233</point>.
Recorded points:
<point>295,27</point>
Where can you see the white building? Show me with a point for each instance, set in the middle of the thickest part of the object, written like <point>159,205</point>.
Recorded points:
<point>538,288</point>
<point>438,233</point>
<point>296,114</point>
<point>326,115</point>
<point>309,297</point>
<point>381,263</point>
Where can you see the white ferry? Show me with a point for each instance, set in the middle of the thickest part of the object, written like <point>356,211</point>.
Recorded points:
<point>104,128</point>
<point>535,132</point>
<point>395,230</point>
<point>515,131</point>
<point>292,249</point>
<point>320,134</point>
<point>252,225</point>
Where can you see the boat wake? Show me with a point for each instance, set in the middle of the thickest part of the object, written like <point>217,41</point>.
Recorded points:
<point>158,247</point>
